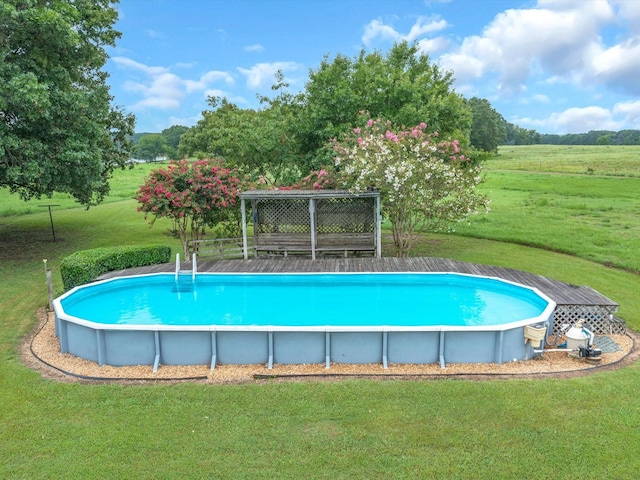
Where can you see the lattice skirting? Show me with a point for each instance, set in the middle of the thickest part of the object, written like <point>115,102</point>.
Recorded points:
<point>599,318</point>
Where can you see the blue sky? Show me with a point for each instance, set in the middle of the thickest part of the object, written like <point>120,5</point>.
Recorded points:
<point>557,66</point>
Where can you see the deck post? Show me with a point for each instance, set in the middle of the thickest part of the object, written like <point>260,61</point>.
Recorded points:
<point>378,227</point>
<point>243,209</point>
<point>312,223</point>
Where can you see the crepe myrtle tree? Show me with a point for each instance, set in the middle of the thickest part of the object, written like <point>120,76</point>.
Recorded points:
<point>194,195</point>
<point>425,183</point>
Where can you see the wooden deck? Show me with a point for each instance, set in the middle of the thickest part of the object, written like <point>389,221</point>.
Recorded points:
<point>562,293</point>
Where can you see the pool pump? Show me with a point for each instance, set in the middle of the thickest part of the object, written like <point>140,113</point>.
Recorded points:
<point>590,354</point>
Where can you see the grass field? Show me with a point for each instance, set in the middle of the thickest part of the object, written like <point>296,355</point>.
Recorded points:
<point>454,429</point>
<point>619,160</point>
<point>594,217</point>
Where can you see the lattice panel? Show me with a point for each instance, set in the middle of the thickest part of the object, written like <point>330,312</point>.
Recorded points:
<point>338,215</point>
<point>599,318</point>
<point>284,216</point>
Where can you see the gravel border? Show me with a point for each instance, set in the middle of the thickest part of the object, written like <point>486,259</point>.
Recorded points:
<point>40,351</point>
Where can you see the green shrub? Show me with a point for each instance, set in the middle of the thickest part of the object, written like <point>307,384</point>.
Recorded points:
<point>87,265</point>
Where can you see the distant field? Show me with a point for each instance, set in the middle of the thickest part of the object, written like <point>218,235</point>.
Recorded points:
<point>124,185</point>
<point>619,160</point>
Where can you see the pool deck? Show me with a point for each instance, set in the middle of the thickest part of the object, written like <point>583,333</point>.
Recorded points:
<point>563,294</point>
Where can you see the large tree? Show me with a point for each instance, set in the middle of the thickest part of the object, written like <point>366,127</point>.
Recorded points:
<point>151,147</point>
<point>58,129</point>
<point>172,135</point>
<point>258,143</point>
<point>401,86</point>
<point>488,127</point>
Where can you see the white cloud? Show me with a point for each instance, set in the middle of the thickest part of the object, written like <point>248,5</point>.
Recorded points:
<point>254,48</point>
<point>619,66</point>
<point>262,74</point>
<point>163,90</point>
<point>377,29</point>
<point>559,38</point>
<point>540,98</point>
<point>153,33</point>
<point>465,67</point>
<point>576,120</point>
<point>630,111</point>
<point>157,103</point>
<point>424,26</point>
<point>126,62</point>
<point>432,45</point>
<point>186,121</point>
<point>235,99</point>
<point>629,14</point>
<point>207,79</point>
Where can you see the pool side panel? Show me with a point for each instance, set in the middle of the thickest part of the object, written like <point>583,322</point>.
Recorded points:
<point>185,348</point>
<point>299,347</point>
<point>469,347</point>
<point>413,347</point>
<point>81,341</point>
<point>130,347</point>
<point>242,348</point>
<point>514,347</point>
<point>356,347</point>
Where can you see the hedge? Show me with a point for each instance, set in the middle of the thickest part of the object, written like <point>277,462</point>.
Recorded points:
<point>87,265</point>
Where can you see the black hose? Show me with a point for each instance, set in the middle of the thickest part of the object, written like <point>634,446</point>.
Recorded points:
<point>103,379</point>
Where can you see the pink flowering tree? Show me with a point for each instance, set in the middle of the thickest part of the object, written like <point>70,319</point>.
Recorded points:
<point>425,183</point>
<point>194,195</point>
<point>322,179</point>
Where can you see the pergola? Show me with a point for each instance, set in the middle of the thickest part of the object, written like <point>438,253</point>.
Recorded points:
<point>312,222</point>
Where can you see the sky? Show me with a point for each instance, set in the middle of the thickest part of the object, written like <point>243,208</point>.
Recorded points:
<point>555,66</point>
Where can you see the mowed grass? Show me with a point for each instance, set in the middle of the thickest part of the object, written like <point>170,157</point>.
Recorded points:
<point>593,217</point>
<point>454,429</point>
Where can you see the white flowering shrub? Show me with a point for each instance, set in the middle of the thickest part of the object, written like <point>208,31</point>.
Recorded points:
<point>425,183</point>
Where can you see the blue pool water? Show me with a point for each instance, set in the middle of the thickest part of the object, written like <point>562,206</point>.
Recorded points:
<point>303,300</point>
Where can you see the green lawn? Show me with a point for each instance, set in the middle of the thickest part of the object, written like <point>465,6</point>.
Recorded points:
<point>594,217</point>
<point>453,429</point>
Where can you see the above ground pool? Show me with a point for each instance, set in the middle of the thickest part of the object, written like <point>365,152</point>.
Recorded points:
<point>299,318</point>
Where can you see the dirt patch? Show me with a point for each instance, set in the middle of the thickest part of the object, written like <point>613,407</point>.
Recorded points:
<point>41,352</point>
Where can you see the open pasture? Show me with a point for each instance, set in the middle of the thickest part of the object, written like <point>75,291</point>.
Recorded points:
<point>610,160</point>
<point>592,216</point>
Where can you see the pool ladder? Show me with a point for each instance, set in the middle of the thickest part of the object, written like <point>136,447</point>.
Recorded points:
<point>193,271</point>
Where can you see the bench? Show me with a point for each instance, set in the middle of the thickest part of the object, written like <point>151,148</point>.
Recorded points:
<point>296,243</point>
<point>283,243</point>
